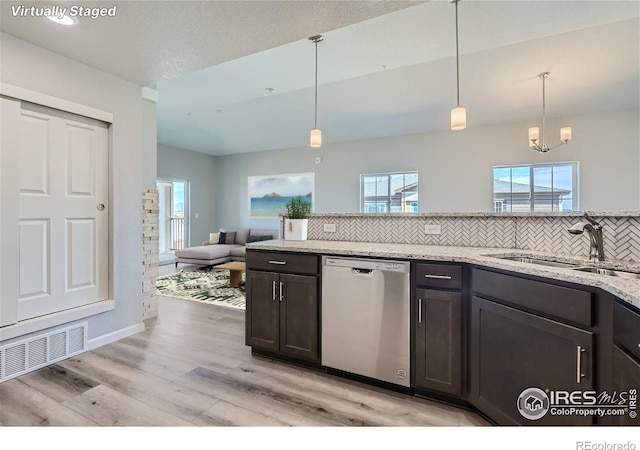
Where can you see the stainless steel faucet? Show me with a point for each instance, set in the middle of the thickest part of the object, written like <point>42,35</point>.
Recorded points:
<point>594,230</point>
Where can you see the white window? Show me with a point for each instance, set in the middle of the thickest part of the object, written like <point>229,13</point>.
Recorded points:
<point>389,192</point>
<point>536,187</point>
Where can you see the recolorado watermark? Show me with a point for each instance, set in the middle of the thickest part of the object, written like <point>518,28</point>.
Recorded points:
<point>59,11</point>
<point>535,403</point>
<point>588,445</point>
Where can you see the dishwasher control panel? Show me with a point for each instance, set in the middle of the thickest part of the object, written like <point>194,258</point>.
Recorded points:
<point>368,264</point>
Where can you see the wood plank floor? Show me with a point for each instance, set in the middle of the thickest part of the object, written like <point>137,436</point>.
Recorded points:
<point>191,368</point>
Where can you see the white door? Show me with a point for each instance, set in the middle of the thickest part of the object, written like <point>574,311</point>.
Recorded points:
<point>62,217</point>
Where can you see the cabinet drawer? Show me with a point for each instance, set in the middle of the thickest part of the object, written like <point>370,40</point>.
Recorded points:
<point>626,329</point>
<point>439,275</point>
<point>282,262</point>
<point>566,303</point>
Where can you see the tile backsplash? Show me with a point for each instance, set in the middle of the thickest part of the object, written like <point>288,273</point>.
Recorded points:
<point>528,232</point>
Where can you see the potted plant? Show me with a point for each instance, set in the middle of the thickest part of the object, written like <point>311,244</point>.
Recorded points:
<point>296,220</point>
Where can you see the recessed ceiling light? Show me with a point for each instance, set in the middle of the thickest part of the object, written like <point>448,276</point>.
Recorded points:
<point>271,89</point>
<point>64,20</point>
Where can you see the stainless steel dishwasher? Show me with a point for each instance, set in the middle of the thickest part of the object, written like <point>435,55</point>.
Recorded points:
<point>365,317</point>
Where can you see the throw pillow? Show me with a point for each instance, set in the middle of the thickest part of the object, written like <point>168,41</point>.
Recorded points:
<point>214,238</point>
<point>227,238</point>
<point>258,238</point>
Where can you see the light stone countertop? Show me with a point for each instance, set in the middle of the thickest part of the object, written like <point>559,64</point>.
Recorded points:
<point>501,215</point>
<point>623,288</point>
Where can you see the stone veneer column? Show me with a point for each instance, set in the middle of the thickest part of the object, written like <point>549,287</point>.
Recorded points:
<point>149,253</point>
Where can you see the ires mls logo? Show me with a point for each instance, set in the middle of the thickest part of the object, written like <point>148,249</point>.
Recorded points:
<point>534,403</point>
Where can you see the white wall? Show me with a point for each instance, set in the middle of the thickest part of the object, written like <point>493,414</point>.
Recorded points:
<point>36,69</point>
<point>200,170</point>
<point>149,144</point>
<point>455,168</point>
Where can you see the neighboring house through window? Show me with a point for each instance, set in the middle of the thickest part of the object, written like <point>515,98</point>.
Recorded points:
<point>536,187</point>
<point>389,192</point>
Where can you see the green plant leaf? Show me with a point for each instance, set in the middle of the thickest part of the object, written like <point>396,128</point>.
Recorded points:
<point>297,208</point>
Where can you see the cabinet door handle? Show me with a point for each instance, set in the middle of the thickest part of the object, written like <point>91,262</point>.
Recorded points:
<point>281,291</point>
<point>579,374</point>
<point>438,277</point>
<point>273,289</point>
<point>280,263</point>
<point>419,310</point>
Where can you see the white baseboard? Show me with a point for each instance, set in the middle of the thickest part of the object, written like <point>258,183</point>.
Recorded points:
<point>115,336</point>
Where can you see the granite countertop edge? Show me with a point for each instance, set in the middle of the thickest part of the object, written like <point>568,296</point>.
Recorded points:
<point>624,288</point>
<point>620,213</point>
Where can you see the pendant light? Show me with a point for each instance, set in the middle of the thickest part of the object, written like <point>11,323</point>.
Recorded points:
<point>459,113</point>
<point>315,139</point>
<point>540,145</point>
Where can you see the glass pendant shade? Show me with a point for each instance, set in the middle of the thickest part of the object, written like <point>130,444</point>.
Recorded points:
<point>459,118</point>
<point>565,134</point>
<point>315,139</point>
<point>534,135</point>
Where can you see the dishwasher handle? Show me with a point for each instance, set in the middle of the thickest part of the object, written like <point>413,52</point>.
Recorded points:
<point>365,264</point>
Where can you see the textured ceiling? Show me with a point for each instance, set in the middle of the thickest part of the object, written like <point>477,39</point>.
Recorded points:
<point>152,40</point>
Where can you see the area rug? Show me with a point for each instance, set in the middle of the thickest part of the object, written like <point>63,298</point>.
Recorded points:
<point>206,286</point>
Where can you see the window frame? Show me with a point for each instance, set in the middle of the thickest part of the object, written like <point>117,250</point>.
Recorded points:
<point>575,171</point>
<point>389,191</point>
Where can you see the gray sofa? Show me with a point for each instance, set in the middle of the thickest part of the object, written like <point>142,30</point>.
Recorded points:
<point>210,254</point>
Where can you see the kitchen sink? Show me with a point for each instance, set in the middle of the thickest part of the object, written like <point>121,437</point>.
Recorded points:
<point>540,262</point>
<point>610,272</point>
<point>580,267</point>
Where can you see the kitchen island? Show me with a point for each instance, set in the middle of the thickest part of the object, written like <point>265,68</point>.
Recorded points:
<point>499,327</point>
<point>624,288</point>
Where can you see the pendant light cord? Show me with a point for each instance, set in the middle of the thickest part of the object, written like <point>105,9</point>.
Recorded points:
<point>316,92</point>
<point>457,58</point>
<point>544,107</point>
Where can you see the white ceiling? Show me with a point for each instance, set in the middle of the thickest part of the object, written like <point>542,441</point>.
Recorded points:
<point>384,69</point>
<point>151,40</point>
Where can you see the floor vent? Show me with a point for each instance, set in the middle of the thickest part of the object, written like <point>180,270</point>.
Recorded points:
<point>35,352</point>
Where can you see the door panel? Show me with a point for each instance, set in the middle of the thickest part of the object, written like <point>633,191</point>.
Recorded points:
<point>35,154</point>
<point>81,155</point>
<point>626,376</point>
<point>63,235</point>
<point>34,258</point>
<point>81,261</point>
<point>438,358</point>
<point>262,310</point>
<point>9,208</point>
<point>512,350</point>
<point>299,316</point>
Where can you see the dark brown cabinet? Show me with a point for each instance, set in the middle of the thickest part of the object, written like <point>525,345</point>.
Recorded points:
<point>626,378</point>
<point>512,350</point>
<point>282,308</point>
<point>626,361</point>
<point>479,336</point>
<point>262,310</point>
<point>626,329</point>
<point>438,327</point>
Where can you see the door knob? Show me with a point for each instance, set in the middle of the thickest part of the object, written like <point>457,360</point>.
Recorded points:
<point>100,207</point>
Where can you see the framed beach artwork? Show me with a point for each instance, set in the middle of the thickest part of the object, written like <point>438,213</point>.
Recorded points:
<point>269,194</point>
